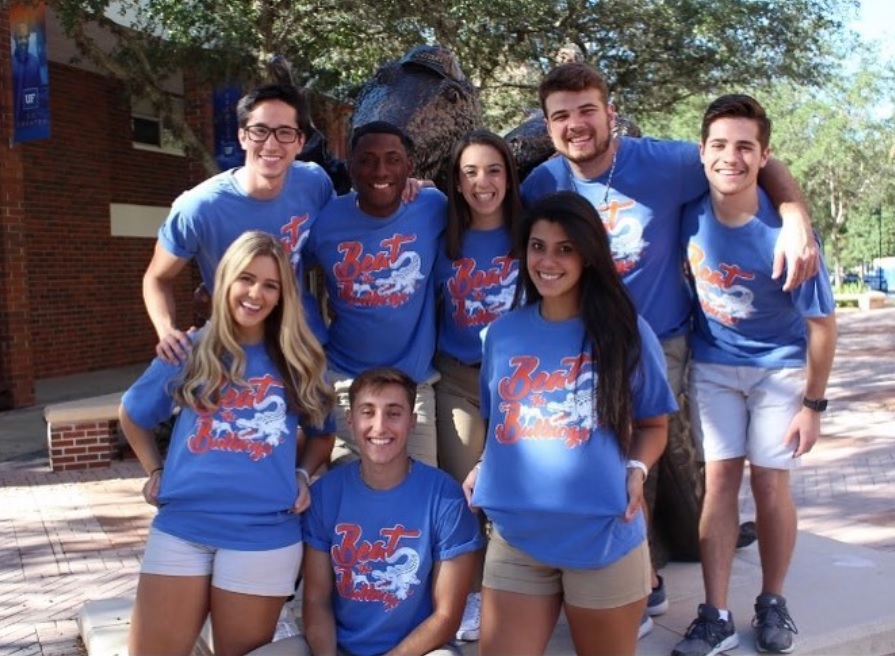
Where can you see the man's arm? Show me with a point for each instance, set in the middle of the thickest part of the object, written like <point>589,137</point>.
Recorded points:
<point>316,608</point>
<point>158,296</point>
<point>451,583</point>
<point>804,429</point>
<point>796,244</point>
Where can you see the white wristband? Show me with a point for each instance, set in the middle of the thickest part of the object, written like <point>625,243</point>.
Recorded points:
<point>637,464</point>
<point>304,473</point>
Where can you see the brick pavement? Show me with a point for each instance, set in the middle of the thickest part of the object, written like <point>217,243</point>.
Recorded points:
<point>70,537</point>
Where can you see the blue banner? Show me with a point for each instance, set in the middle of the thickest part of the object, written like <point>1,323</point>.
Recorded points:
<point>227,151</point>
<point>30,74</point>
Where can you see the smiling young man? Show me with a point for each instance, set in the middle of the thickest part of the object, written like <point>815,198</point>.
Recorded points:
<point>377,254</point>
<point>389,542</point>
<point>639,187</point>
<point>271,192</point>
<point>761,359</point>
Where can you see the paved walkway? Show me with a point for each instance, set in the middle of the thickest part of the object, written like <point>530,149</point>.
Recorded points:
<point>71,537</point>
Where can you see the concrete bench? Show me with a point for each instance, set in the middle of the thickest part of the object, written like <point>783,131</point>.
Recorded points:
<point>871,300</point>
<point>104,625</point>
<point>83,434</point>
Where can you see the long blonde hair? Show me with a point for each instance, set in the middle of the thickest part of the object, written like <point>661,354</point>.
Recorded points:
<point>217,359</point>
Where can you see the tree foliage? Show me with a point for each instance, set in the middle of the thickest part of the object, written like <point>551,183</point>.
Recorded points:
<point>838,140</point>
<point>654,53</point>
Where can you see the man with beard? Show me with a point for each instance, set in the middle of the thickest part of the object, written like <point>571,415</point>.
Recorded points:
<point>639,187</point>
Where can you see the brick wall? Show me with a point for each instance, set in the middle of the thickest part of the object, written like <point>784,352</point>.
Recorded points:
<point>85,286</point>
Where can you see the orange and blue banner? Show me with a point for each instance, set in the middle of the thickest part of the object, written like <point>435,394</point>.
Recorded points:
<point>30,73</point>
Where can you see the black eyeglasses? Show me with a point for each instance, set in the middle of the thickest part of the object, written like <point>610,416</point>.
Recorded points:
<point>260,133</point>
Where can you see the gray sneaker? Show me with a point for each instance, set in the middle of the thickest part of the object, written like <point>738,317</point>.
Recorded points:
<point>708,634</point>
<point>773,626</point>
<point>657,602</point>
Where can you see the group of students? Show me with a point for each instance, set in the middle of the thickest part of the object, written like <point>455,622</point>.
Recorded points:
<point>533,355</point>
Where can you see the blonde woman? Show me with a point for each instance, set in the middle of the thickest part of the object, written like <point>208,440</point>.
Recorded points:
<point>227,539</point>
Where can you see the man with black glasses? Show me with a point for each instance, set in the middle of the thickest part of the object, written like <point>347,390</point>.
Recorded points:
<point>271,192</point>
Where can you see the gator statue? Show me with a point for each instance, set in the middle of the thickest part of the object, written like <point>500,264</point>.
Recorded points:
<point>426,94</point>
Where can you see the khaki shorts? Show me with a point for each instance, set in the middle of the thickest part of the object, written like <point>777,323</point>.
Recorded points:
<point>461,429</point>
<point>623,582</point>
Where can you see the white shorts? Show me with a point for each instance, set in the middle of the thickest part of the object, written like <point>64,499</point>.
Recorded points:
<point>745,411</point>
<point>269,573</point>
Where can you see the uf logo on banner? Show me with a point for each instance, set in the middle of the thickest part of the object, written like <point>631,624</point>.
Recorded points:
<point>30,98</point>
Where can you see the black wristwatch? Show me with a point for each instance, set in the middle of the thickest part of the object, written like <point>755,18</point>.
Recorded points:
<point>818,405</point>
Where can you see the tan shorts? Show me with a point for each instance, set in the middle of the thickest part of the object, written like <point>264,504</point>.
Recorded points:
<point>623,582</point>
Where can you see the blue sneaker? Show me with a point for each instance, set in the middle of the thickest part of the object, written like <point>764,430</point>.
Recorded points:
<point>708,634</point>
<point>657,602</point>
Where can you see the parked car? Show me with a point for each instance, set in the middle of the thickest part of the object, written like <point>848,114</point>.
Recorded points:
<point>877,282</point>
<point>850,277</point>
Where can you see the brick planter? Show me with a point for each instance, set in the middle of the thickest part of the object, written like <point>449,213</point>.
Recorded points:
<point>83,434</point>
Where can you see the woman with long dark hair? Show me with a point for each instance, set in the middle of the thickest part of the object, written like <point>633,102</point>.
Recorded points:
<point>575,396</point>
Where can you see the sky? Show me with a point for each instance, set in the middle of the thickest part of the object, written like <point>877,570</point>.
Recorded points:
<point>877,21</point>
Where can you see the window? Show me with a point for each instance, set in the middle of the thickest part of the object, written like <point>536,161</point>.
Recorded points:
<point>149,131</point>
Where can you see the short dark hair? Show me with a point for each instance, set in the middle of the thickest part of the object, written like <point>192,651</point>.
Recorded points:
<point>738,105</point>
<point>287,93</point>
<point>377,378</point>
<point>459,217</point>
<point>573,76</point>
<point>380,127</point>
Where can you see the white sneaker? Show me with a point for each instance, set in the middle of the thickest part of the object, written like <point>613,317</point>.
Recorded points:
<point>646,625</point>
<point>471,624</point>
<point>286,626</point>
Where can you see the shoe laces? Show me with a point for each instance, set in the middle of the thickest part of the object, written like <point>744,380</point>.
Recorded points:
<point>704,628</point>
<point>473,609</point>
<point>773,615</point>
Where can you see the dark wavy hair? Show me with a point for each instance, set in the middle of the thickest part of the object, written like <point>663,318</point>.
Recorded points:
<point>287,93</point>
<point>459,217</point>
<point>609,315</point>
<point>738,105</point>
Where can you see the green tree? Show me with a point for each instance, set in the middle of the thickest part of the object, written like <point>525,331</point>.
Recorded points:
<point>839,141</point>
<point>654,53</point>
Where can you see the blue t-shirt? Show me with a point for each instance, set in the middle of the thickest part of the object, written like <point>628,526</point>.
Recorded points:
<point>383,545</point>
<point>475,289</point>
<point>743,317</point>
<point>229,479</point>
<point>205,220</point>
<point>553,480</point>
<point>379,282</point>
<point>651,183</point>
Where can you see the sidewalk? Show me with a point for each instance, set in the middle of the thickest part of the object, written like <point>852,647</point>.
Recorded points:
<point>72,537</point>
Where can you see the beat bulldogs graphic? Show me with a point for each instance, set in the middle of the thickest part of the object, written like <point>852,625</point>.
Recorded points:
<point>386,278</point>
<point>293,236</point>
<point>381,571</point>
<point>479,296</point>
<point>718,295</point>
<point>547,405</point>
<point>248,420</point>
<point>625,235</point>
